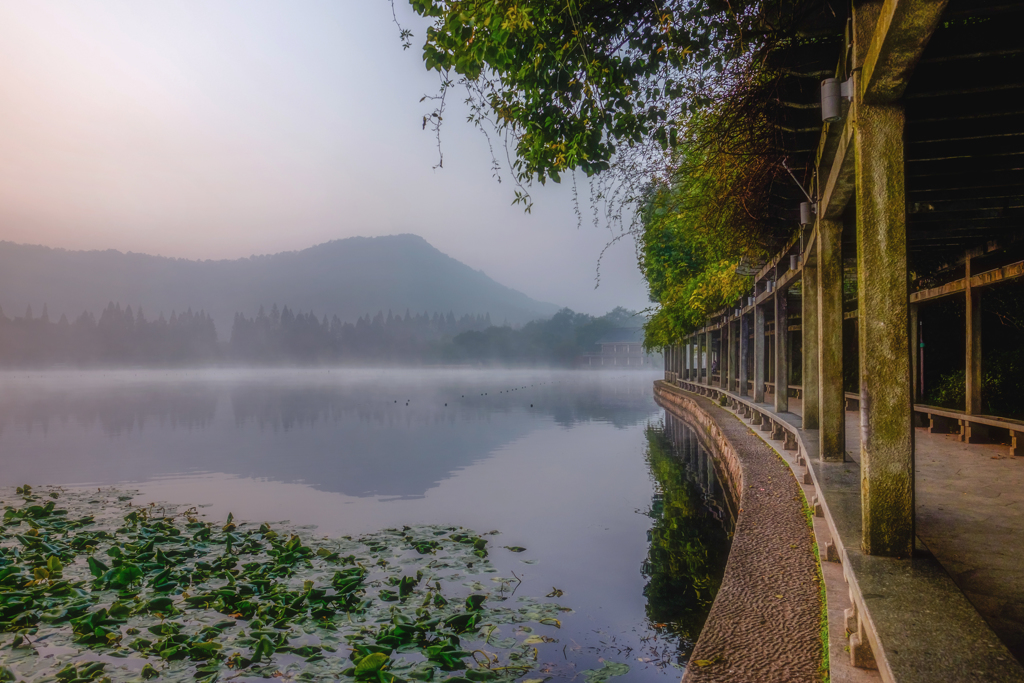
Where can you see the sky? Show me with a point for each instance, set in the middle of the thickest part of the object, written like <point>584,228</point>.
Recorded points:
<point>209,130</point>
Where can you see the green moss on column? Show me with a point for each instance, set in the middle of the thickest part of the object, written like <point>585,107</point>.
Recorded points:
<point>887,435</point>
<point>759,354</point>
<point>809,342</point>
<point>744,353</point>
<point>831,399</point>
<point>781,351</point>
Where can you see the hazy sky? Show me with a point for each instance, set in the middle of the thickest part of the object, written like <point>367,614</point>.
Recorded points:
<point>238,127</point>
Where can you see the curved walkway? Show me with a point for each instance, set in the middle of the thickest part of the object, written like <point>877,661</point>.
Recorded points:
<point>765,624</point>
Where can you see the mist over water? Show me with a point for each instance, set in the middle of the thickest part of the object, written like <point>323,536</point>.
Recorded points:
<point>569,465</point>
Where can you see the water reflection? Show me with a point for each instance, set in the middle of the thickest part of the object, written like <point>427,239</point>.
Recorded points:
<point>356,432</point>
<point>689,541</point>
<point>560,463</point>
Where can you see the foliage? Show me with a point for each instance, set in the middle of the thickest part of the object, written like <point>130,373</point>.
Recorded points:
<point>1002,374</point>
<point>570,81</point>
<point>559,340</point>
<point>95,588</point>
<point>288,336</point>
<point>681,101</point>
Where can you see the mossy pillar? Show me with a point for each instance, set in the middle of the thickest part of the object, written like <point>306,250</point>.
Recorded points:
<point>973,360</point>
<point>781,351</point>
<point>744,353</point>
<point>734,355</point>
<point>887,434</point>
<point>759,354</point>
<point>698,363</point>
<point>707,358</point>
<point>831,398</point>
<point>724,356</point>
<point>809,342</point>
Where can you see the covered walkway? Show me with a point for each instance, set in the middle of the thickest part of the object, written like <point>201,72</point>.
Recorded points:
<point>970,516</point>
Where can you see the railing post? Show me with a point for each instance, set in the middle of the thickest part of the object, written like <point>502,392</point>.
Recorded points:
<point>831,398</point>
<point>809,341</point>
<point>781,351</point>
<point>887,433</point>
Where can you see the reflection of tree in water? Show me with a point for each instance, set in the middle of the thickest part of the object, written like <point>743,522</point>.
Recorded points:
<point>689,542</point>
<point>118,410</point>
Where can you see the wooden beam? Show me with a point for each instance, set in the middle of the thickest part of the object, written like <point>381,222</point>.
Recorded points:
<point>900,36</point>
<point>947,289</point>
<point>840,184</point>
<point>989,277</point>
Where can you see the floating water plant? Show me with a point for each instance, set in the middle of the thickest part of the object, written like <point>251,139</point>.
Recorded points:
<point>93,588</point>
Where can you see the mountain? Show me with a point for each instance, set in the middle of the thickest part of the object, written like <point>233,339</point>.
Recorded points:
<point>349,277</point>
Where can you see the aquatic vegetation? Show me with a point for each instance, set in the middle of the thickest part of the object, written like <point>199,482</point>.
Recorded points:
<point>94,588</point>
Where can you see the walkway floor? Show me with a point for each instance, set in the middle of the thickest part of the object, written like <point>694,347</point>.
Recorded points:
<point>970,515</point>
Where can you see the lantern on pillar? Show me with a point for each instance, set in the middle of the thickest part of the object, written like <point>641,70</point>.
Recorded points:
<point>832,95</point>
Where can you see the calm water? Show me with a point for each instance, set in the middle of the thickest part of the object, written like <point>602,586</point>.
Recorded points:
<point>618,508</point>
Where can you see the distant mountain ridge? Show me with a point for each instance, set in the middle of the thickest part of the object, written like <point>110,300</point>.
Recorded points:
<point>347,277</point>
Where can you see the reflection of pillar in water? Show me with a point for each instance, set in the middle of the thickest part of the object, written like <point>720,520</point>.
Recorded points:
<point>711,478</point>
<point>690,447</point>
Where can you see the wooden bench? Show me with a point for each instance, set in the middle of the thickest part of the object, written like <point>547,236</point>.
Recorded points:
<point>940,421</point>
<point>795,390</point>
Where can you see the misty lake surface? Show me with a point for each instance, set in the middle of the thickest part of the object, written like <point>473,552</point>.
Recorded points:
<point>615,502</point>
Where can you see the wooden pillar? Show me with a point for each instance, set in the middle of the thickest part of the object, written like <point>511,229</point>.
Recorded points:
<point>781,351</point>
<point>973,360</point>
<point>913,352</point>
<point>887,434</point>
<point>831,398</point>
<point>809,341</point>
<point>744,353</point>
<point>759,354</point>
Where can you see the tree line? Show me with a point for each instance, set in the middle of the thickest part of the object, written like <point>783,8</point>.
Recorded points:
<point>123,336</point>
<point>119,336</point>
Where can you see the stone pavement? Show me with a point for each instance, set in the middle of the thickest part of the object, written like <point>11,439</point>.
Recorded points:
<point>765,622</point>
<point>970,515</point>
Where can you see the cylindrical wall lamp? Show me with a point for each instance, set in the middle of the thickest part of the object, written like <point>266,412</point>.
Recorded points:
<point>794,262</point>
<point>807,211</point>
<point>832,94</point>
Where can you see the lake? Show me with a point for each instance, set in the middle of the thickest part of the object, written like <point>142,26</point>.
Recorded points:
<point>618,507</point>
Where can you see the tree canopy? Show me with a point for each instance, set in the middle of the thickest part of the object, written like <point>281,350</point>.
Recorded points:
<point>571,80</point>
<point>692,107</point>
